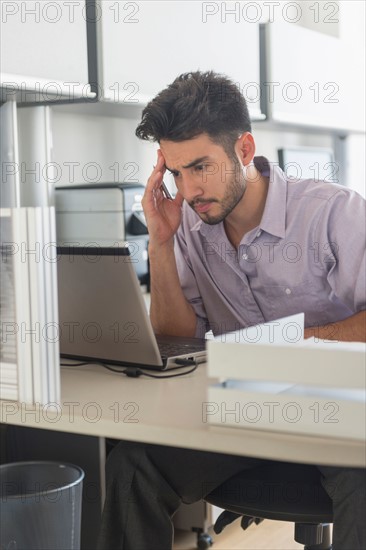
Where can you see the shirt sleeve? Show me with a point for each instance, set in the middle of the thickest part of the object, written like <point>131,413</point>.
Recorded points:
<point>188,282</point>
<point>344,250</point>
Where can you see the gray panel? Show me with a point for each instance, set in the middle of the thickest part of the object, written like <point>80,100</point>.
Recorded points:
<point>9,190</point>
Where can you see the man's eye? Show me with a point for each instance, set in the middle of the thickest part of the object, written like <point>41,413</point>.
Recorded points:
<point>199,167</point>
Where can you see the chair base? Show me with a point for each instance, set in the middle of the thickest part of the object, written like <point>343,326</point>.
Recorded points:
<point>313,536</point>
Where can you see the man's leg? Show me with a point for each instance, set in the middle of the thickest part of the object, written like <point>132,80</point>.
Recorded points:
<point>147,483</point>
<point>347,489</point>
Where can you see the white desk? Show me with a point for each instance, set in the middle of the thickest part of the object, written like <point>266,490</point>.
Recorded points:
<point>168,412</point>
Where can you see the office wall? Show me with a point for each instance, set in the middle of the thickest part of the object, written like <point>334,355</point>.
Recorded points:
<point>89,148</point>
<point>102,149</point>
<point>111,144</point>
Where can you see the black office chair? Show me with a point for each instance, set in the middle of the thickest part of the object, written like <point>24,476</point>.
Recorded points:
<point>279,491</point>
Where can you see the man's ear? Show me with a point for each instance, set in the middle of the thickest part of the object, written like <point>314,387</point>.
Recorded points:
<point>245,148</point>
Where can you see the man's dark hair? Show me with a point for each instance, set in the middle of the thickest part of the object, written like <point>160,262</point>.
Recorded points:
<point>196,103</point>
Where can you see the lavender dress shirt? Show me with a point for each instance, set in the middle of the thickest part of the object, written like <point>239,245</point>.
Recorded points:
<point>306,255</point>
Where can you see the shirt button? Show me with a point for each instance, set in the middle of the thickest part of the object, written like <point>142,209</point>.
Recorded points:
<point>245,256</point>
<point>288,290</point>
<point>259,233</point>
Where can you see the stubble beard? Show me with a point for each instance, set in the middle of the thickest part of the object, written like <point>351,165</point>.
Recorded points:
<point>233,195</point>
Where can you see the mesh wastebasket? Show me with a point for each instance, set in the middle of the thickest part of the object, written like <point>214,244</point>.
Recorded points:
<point>40,506</point>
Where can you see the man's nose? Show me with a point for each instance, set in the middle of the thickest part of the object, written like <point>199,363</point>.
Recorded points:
<point>190,187</point>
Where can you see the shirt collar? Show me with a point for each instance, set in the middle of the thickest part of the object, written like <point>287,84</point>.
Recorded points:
<point>274,215</point>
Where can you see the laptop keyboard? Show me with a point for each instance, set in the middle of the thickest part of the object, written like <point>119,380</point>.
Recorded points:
<point>173,348</point>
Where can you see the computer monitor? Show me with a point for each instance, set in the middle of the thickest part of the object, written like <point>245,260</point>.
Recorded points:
<point>316,163</point>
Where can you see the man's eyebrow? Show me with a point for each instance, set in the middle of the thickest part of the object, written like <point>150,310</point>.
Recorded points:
<point>196,161</point>
<point>191,164</point>
<point>170,169</point>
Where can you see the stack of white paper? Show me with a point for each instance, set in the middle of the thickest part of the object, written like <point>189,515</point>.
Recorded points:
<point>286,383</point>
<point>29,352</point>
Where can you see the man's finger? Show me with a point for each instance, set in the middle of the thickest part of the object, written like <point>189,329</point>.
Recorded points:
<point>153,183</point>
<point>178,199</point>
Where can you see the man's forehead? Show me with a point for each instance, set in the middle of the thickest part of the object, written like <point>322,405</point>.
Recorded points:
<point>180,154</point>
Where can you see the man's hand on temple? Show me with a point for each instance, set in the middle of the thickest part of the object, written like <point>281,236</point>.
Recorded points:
<point>163,215</point>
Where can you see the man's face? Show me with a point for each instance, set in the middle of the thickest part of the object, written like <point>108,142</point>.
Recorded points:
<point>208,179</point>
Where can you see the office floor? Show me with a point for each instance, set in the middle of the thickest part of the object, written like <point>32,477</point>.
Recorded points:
<point>269,535</point>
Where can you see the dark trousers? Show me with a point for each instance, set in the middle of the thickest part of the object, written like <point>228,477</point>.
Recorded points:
<point>147,483</point>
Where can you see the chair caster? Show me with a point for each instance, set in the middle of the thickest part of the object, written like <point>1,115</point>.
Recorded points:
<point>204,541</point>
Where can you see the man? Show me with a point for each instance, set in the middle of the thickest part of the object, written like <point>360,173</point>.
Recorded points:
<point>239,245</point>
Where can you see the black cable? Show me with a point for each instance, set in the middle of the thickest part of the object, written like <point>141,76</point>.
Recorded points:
<point>136,372</point>
<point>170,375</point>
<point>75,364</point>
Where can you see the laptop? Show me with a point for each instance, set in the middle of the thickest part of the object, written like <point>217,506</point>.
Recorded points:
<point>103,316</point>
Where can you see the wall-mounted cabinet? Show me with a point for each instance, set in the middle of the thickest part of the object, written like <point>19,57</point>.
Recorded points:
<point>44,50</point>
<point>310,81</point>
<point>143,46</point>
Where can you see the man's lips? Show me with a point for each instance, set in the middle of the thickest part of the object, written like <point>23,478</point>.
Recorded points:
<point>202,207</point>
